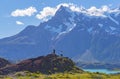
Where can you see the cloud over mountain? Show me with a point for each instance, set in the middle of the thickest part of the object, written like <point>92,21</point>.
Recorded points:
<point>92,11</point>
<point>24,12</point>
<point>47,12</point>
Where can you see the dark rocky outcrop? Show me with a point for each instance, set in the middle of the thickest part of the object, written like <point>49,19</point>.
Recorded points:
<point>45,64</point>
<point>4,62</point>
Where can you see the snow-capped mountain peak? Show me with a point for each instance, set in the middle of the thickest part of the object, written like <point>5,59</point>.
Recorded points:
<point>103,11</point>
<point>67,17</point>
<point>92,33</point>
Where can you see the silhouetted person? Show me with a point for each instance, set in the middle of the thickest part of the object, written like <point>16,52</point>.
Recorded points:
<point>61,55</point>
<point>54,51</point>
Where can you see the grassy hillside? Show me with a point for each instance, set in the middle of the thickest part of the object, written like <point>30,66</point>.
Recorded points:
<point>67,75</point>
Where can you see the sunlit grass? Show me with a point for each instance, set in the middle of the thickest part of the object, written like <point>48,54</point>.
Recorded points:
<point>67,75</point>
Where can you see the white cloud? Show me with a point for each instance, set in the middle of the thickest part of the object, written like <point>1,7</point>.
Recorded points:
<point>102,12</point>
<point>47,11</point>
<point>19,23</point>
<point>93,11</point>
<point>24,12</point>
<point>105,8</point>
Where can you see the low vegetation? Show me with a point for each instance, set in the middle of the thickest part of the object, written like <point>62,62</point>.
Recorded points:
<point>66,75</point>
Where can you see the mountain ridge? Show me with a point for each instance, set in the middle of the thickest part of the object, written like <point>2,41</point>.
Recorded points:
<point>72,32</point>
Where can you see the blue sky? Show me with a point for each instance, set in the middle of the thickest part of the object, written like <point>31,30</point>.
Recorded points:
<point>13,24</point>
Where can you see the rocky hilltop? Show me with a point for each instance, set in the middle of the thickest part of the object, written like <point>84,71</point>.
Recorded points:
<point>48,64</point>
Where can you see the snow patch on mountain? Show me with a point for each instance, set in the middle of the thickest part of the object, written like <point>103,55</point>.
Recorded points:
<point>112,28</point>
<point>53,29</point>
<point>101,25</point>
<point>112,19</point>
<point>47,27</point>
<point>70,25</point>
<point>90,29</point>
<point>107,30</point>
